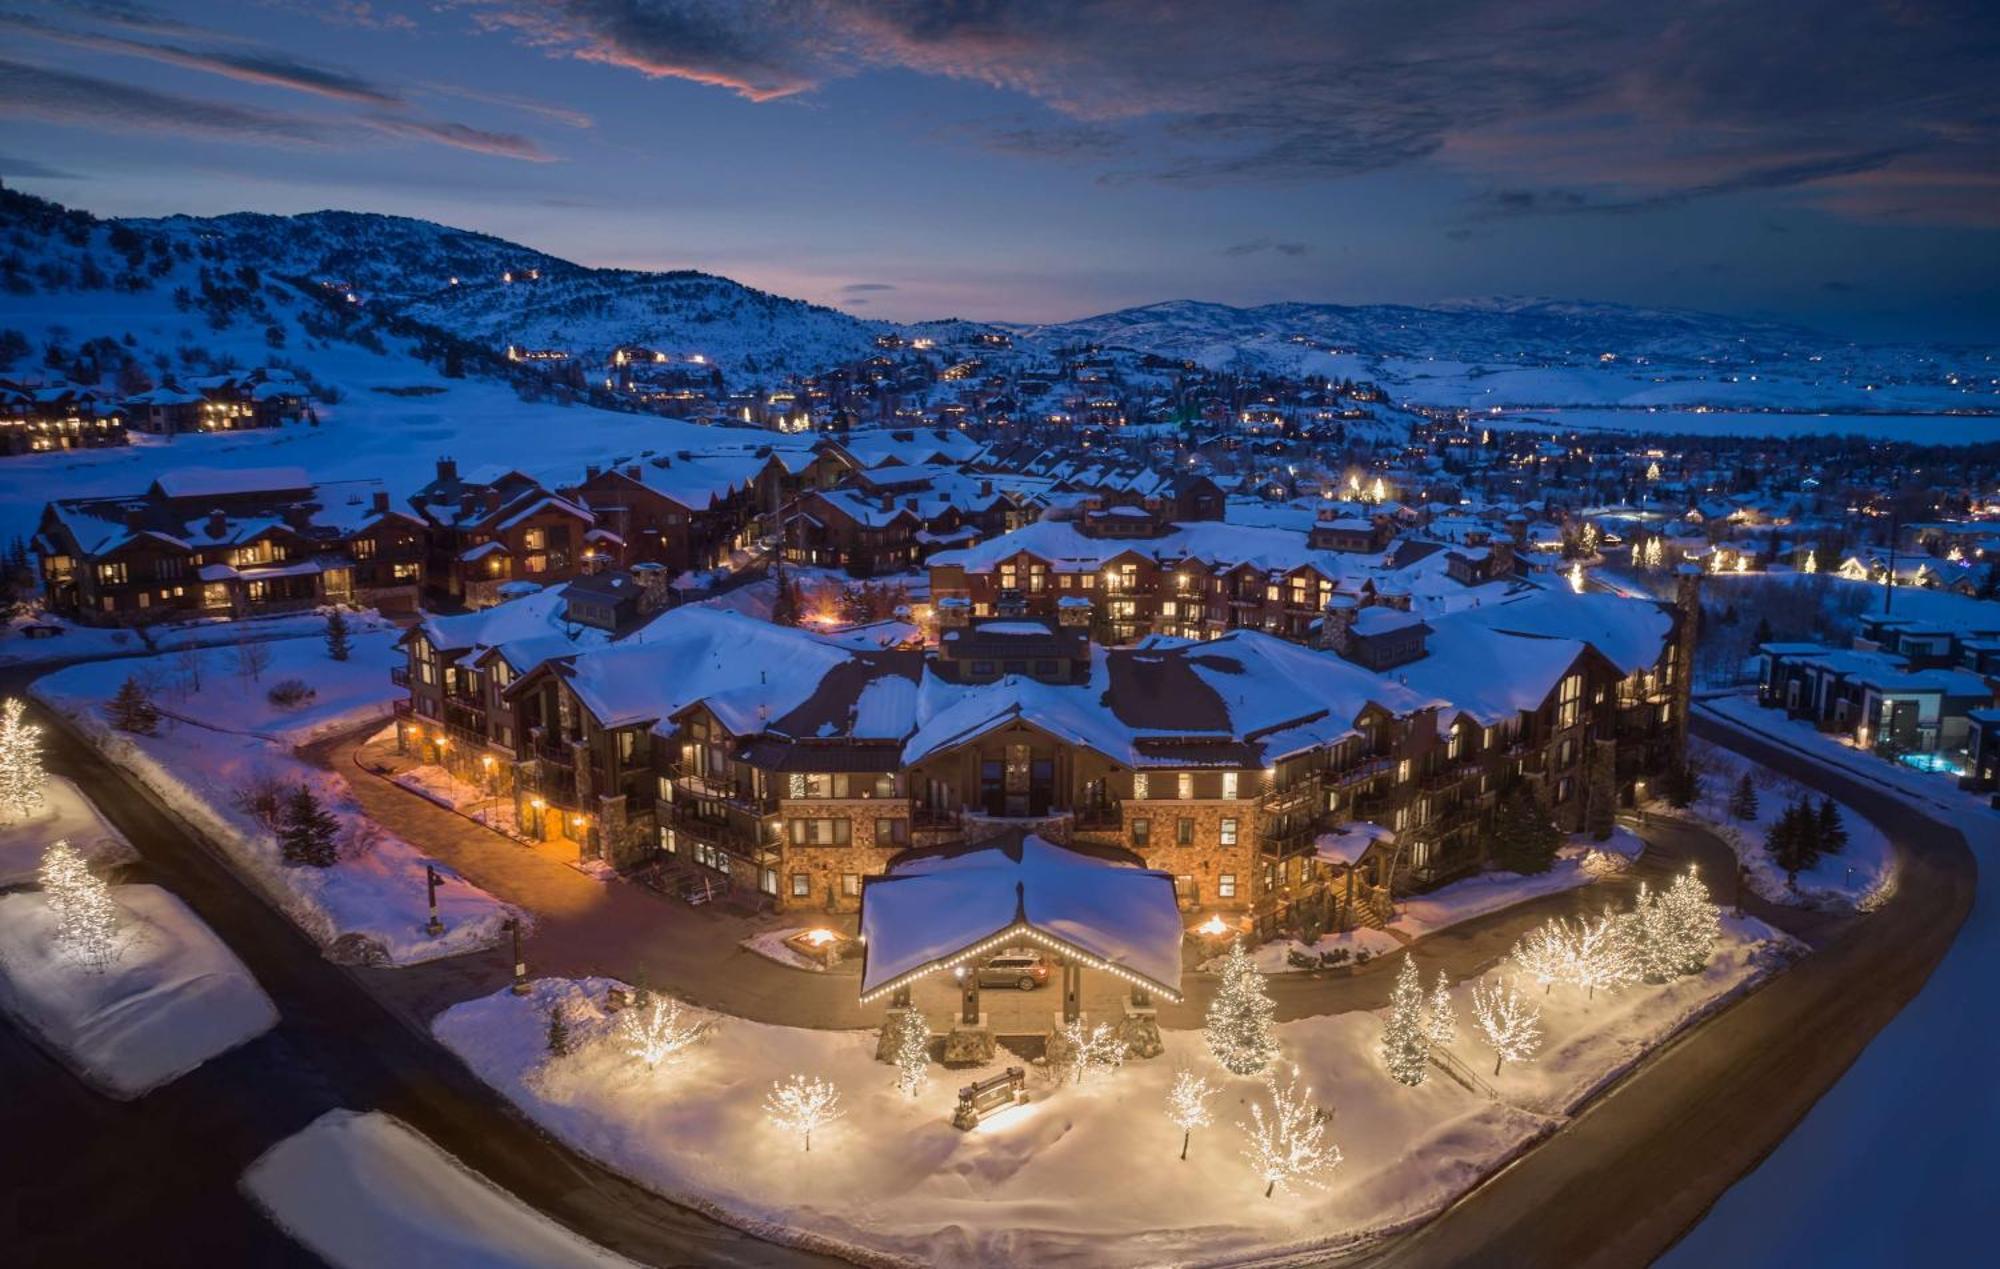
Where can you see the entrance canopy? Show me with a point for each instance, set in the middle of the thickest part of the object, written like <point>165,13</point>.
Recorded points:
<point>942,911</point>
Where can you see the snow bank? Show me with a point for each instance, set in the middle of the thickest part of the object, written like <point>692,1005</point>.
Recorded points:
<point>369,907</point>
<point>175,997</point>
<point>363,1190</point>
<point>1485,893</point>
<point>66,814</point>
<point>1847,880</point>
<point>1084,1174</point>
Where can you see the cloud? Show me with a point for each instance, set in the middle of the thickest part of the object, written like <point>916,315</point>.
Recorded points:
<point>29,168</point>
<point>1626,106</point>
<point>860,288</point>
<point>1257,246</point>
<point>62,97</point>
<point>271,69</point>
<point>506,145</point>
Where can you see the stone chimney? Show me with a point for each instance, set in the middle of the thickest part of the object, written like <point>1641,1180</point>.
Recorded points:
<point>447,469</point>
<point>135,517</point>
<point>490,498</point>
<point>652,579</point>
<point>379,504</point>
<point>1503,560</point>
<point>591,471</point>
<point>1336,630</point>
<point>218,523</point>
<point>632,470</point>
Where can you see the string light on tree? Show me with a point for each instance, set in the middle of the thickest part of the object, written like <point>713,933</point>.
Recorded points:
<point>658,1030</point>
<point>1187,1105</point>
<point>21,775</point>
<point>1087,1049</point>
<point>1511,1026</point>
<point>1406,1050</point>
<point>1288,1148</point>
<point>1692,923</point>
<point>1599,956</point>
<point>913,1054</point>
<point>1239,1018</point>
<point>1543,953</point>
<point>86,916</point>
<point>801,1105</point>
<point>1441,1022</point>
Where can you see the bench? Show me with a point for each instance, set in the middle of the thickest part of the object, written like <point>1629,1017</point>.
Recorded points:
<point>988,1097</point>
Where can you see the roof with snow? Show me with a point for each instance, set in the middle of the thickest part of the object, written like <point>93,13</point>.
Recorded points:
<point>933,911</point>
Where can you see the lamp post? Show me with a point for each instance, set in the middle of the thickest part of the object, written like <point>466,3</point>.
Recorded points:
<point>520,987</point>
<point>433,927</point>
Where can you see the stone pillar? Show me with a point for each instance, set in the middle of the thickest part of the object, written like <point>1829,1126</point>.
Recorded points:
<point>1072,990</point>
<point>1139,1026</point>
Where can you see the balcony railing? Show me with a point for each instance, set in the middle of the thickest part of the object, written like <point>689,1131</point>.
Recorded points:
<point>1098,817</point>
<point>729,836</point>
<point>399,675</point>
<point>1285,843</point>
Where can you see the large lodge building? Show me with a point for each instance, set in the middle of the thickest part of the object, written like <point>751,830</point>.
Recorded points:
<point>1272,779</point>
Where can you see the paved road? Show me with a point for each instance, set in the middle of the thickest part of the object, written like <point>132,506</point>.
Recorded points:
<point>88,1181</point>
<point>1640,1166</point>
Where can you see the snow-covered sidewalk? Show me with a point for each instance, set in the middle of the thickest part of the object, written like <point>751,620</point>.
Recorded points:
<point>66,815</point>
<point>365,1190</point>
<point>370,906</point>
<point>1084,1174</point>
<point>174,997</point>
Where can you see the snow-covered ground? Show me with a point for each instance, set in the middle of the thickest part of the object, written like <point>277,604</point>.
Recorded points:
<point>371,904</point>
<point>1929,429</point>
<point>66,815</point>
<point>1274,957</point>
<point>1895,1164</point>
<point>79,642</point>
<point>365,1190</point>
<point>771,945</point>
<point>174,997</point>
<point>206,686</point>
<point>1489,892</point>
<point>1854,877</point>
<point>1082,1175</point>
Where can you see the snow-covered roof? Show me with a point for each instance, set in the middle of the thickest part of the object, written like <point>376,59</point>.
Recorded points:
<point>1109,912</point>
<point>210,482</point>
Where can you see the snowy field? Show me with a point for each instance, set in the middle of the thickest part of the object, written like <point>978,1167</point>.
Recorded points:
<point>1856,877</point>
<point>1916,429</point>
<point>78,642</point>
<point>207,686</point>
<point>1912,1125</point>
<point>66,815</point>
<point>366,1190</point>
<point>1084,1174</point>
<point>370,906</point>
<point>174,998</point>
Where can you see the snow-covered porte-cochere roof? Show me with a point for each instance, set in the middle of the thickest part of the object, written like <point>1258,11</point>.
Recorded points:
<point>938,911</point>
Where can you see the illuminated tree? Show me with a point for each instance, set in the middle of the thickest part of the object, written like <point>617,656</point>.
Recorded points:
<point>1406,1050</point>
<point>913,1054</point>
<point>21,775</point>
<point>1083,1049</point>
<point>1599,955</point>
<point>1187,1105</point>
<point>1288,1147</point>
<point>1543,953</point>
<point>1511,1027</point>
<point>1692,921</point>
<point>800,1105</point>
<point>659,1029</point>
<point>1239,1018</point>
<point>1441,1022</point>
<point>86,916</point>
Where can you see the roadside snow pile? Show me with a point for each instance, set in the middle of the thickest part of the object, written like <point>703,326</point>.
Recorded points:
<point>66,815</point>
<point>1844,880</point>
<point>1084,1174</point>
<point>1485,893</point>
<point>1278,955</point>
<point>368,908</point>
<point>362,1190</point>
<point>174,997</point>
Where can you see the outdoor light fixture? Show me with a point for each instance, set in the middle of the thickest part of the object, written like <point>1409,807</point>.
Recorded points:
<point>820,936</point>
<point>1215,925</point>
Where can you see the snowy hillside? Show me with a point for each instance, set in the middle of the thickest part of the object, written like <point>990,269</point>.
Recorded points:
<point>1549,353</point>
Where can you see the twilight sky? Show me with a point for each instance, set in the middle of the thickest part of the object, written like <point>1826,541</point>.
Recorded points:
<point>1831,161</point>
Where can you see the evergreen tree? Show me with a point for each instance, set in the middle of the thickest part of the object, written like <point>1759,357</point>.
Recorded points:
<point>306,832</point>
<point>1683,785</point>
<point>21,776</point>
<point>1832,831</point>
<point>1743,802</point>
<point>338,641</point>
<point>1521,837</point>
<point>558,1033</point>
<point>1239,1018</point>
<point>131,710</point>
<point>1793,842</point>
<point>1406,1049</point>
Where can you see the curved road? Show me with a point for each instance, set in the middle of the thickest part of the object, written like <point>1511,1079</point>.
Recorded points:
<point>1640,1166</point>
<point>91,1181</point>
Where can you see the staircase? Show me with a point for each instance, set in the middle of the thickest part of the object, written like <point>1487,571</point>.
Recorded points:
<point>1444,1060</point>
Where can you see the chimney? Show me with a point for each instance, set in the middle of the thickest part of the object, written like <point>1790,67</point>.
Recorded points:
<point>381,501</point>
<point>592,471</point>
<point>652,579</point>
<point>218,523</point>
<point>986,489</point>
<point>135,517</point>
<point>491,498</point>
<point>633,471</point>
<point>1336,631</point>
<point>447,469</point>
